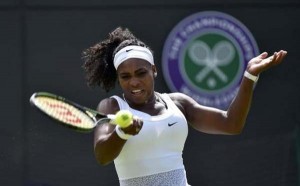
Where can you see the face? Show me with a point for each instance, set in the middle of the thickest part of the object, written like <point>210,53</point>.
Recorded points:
<point>136,78</point>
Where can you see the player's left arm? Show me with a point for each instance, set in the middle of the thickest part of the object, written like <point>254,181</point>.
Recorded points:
<point>216,121</point>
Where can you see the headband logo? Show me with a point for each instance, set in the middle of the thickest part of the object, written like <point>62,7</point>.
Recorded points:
<point>205,56</point>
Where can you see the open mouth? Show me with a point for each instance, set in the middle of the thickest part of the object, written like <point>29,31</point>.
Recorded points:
<point>136,92</point>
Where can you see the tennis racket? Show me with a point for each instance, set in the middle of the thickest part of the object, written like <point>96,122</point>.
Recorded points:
<point>68,113</point>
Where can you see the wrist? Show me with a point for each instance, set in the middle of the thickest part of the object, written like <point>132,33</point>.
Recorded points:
<point>251,76</point>
<point>122,134</point>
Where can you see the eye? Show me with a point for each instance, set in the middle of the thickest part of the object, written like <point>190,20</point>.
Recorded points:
<point>124,77</point>
<point>141,73</point>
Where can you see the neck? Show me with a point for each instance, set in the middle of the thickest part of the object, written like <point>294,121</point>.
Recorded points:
<point>151,100</point>
<point>155,105</point>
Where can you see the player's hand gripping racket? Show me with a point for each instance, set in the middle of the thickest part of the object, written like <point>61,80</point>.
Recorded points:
<point>75,116</point>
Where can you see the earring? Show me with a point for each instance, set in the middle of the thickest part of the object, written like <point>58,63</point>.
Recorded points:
<point>155,74</point>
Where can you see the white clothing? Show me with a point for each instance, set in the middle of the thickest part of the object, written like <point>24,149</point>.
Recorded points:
<point>157,149</point>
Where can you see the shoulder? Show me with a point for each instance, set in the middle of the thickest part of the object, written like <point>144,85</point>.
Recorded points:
<point>179,97</point>
<point>183,100</point>
<point>108,106</point>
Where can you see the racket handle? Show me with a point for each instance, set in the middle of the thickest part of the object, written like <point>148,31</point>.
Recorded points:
<point>111,116</point>
<point>108,119</point>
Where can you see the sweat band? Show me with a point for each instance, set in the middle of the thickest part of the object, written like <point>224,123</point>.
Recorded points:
<point>122,134</point>
<point>250,76</point>
<point>133,51</point>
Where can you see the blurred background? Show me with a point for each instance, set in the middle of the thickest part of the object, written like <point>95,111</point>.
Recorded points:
<point>41,46</point>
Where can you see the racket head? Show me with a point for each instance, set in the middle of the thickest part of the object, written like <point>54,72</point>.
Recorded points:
<point>65,112</point>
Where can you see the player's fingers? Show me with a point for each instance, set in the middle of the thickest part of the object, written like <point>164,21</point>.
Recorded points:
<point>263,55</point>
<point>278,57</point>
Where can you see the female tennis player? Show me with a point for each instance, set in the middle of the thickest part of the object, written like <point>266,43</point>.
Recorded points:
<point>149,151</point>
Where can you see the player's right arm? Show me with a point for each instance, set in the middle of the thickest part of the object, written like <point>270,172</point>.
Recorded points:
<point>107,143</point>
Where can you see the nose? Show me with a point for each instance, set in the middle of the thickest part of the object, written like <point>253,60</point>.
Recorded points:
<point>134,82</point>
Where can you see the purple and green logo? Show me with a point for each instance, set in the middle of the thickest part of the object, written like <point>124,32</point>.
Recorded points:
<point>205,56</point>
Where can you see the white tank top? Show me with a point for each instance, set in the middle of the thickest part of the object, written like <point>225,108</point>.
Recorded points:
<point>159,145</point>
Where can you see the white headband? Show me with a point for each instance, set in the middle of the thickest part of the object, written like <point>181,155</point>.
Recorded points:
<point>133,51</point>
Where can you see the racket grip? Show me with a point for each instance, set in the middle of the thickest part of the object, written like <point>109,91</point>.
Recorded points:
<point>111,116</point>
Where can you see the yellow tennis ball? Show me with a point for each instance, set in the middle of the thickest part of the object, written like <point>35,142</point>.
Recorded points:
<point>123,118</point>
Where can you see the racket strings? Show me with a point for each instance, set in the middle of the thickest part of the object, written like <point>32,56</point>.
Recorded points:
<point>65,113</point>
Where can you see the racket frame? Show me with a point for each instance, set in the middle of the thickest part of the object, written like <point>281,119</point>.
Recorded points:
<point>95,116</point>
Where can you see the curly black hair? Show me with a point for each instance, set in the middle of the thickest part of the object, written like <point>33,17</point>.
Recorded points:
<point>98,59</point>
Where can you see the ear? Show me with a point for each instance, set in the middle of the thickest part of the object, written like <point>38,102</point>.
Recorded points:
<point>154,70</point>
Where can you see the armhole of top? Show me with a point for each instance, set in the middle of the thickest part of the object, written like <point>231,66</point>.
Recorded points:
<point>122,104</point>
<point>171,103</point>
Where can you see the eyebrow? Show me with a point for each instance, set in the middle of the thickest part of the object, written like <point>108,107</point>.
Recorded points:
<point>136,71</point>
